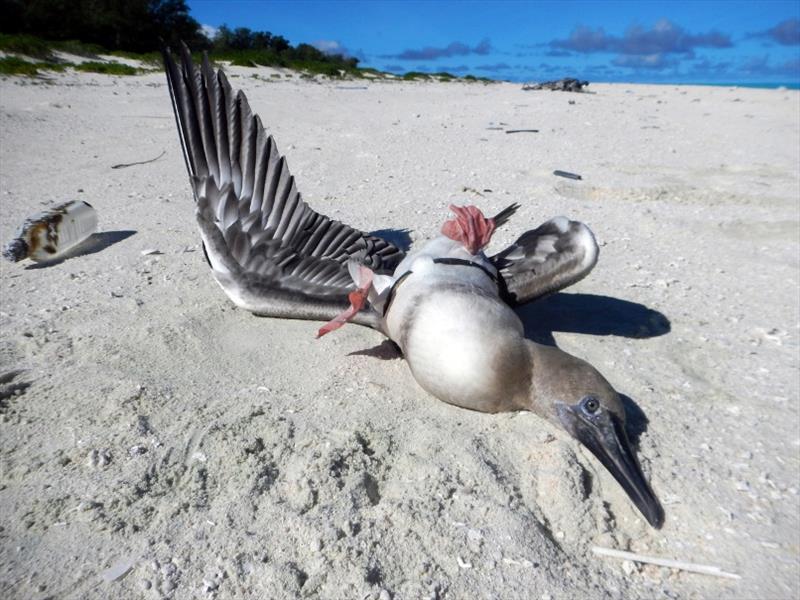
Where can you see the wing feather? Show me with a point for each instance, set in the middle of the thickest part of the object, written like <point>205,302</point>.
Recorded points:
<point>269,250</point>
<point>544,260</point>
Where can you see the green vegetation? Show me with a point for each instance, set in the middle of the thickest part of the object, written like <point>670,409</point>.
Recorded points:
<point>37,48</point>
<point>25,44</point>
<point>78,48</point>
<point>13,65</point>
<point>152,59</point>
<point>443,76</point>
<point>415,76</point>
<point>371,71</point>
<point>109,68</point>
<point>136,29</point>
<point>131,25</point>
<point>243,47</point>
<point>481,79</point>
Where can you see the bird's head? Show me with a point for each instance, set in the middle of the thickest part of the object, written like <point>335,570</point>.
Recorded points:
<point>572,394</point>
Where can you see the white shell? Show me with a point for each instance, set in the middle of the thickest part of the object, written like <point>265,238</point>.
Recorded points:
<point>50,234</point>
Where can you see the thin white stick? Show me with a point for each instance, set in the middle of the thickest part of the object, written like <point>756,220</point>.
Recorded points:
<point>665,562</point>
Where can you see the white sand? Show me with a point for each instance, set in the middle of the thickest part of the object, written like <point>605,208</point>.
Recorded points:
<point>161,443</point>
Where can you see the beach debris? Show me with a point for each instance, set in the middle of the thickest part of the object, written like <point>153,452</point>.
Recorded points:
<point>150,251</point>
<point>141,162</point>
<point>472,190</point>
<point>118,570</point>
<point>522,131</point>
<point>567,174</point>
<point>48,234</point>
<point>665,562</point>
<point>567,84</point>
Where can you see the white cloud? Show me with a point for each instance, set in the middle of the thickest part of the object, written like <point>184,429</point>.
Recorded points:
<point>209,31</point>
<point>330,47</point>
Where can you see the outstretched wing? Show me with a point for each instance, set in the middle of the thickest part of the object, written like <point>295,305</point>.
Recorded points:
<point>270,252</point>
<point>544,260</point>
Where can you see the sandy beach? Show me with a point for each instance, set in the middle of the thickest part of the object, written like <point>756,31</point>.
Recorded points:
<point>157,442</point>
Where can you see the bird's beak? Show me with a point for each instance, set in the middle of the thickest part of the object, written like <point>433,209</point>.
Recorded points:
<point>604,434</point>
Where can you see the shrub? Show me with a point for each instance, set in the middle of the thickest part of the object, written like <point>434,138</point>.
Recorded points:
<point>414,75</point>
<point>77,48</point>
<point>13,65</point>
<point>148,58</point>
<point>25,44</point>
<point>111,68</point>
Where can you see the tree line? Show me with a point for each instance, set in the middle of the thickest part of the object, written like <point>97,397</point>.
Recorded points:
<point>144,25</point>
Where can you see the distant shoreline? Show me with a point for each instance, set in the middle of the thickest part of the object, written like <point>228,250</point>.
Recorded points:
<point>765,86</point>
<point>789,85</point>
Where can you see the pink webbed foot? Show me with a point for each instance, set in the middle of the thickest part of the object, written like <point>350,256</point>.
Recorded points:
<point>469,227</point>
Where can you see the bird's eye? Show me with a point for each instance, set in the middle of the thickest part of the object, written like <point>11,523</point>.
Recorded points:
<point>590,405</point>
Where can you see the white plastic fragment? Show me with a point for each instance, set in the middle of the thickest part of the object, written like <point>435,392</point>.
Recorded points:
<point>665,562</point>
<point>118,570</point>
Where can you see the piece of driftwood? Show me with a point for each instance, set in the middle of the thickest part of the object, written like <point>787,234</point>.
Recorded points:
<point>567,174</point>
<point>568,84</point>
<point>522,131</point>
<point>141,162</point>
<point>665,562</point>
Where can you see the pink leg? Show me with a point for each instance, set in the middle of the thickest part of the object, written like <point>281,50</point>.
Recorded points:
<point>358,298</point>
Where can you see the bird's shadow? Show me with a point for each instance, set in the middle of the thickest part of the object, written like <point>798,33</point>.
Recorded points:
<point>386,350</point>
<point>590,314</point>
<point>635,420</point>
<point>94,243</point>
<point>399,237</point>
<point>595,315</point>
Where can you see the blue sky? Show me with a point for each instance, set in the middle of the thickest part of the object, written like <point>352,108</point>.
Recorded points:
<point>670,42</point>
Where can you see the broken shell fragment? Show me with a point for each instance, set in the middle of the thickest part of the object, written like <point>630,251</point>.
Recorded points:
<point>49,234</point>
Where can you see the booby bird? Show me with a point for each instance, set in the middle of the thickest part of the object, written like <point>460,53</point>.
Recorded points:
<point>448,306</point>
